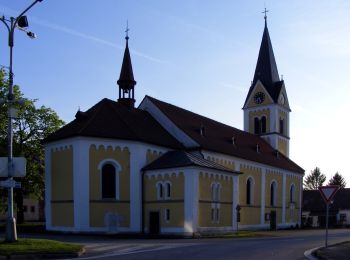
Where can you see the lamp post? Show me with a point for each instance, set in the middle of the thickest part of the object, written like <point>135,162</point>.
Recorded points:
<point>19,22</point>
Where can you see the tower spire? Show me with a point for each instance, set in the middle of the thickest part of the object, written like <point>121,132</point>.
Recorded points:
<point>126,80</point>
<point>266,67</point>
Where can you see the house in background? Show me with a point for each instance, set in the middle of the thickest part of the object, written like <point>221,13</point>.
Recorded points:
<point>159,168</point>
<point>314,209</point>
<point>32,208</point>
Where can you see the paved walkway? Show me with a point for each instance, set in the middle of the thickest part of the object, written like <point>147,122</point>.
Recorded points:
<point>339,251</point>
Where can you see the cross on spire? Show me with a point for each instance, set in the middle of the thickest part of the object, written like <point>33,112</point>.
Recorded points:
<point>264,12</point>
<point>127,30</point>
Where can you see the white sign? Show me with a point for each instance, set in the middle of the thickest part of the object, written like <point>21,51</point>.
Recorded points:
<point>10,183</point>
<point>328,192</point>
<point>18,170</point>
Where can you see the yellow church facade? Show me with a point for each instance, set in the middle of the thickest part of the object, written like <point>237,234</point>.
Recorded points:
<point>162,169</point>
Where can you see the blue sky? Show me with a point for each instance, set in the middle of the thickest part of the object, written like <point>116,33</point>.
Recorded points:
<point>197,54</point>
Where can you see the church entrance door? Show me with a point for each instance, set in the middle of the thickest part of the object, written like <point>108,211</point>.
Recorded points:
<point>273,224</point>
<point>154,227</point>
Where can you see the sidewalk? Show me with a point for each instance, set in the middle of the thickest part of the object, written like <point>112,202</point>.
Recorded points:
<point>338,251</point>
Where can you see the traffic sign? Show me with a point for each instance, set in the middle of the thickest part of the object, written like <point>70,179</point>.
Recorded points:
<point>18,167</point>
<point>328,192</point>
<point>10,183</point>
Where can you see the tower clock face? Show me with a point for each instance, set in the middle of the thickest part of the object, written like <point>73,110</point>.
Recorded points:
<point>259,98</point>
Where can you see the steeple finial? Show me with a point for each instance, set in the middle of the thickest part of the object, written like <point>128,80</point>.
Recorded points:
<point>127,31</point>
<point>265,16</point>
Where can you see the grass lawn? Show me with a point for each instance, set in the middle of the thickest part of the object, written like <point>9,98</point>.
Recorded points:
<point>38,246</point>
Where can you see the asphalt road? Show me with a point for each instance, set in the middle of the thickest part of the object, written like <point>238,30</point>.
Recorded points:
<point>273,245</point>
<point>292,246</point>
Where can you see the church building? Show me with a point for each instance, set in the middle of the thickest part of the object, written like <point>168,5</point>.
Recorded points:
<point>159,168</point>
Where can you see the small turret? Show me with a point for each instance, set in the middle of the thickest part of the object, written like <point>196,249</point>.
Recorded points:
<point>126,80</point>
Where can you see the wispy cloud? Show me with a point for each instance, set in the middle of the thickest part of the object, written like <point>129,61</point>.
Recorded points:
<point>236,87</point>
<point>89,37</point>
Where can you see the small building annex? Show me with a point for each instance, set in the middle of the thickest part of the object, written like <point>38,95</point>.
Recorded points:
<point>159,168</point>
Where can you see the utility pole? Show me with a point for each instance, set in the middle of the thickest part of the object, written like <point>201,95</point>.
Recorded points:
<point>11,24</point>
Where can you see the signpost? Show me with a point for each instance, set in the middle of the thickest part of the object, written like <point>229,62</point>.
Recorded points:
<point>10,183</point>
<point>13,167</point>
<point>327,193</point>
<point>238,215</point>
<point>18,167</point>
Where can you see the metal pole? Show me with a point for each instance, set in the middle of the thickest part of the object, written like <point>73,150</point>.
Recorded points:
<point>11,232</point>
<point>327,210</point>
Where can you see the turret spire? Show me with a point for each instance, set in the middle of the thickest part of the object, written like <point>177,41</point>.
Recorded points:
<point>126,80</point>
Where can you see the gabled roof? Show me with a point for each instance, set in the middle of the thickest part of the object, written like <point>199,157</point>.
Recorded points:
<point>266,68</point>
<point>217,137</point>
<point>312,201</point>
<point>110,119</point>
<point>175,159</point>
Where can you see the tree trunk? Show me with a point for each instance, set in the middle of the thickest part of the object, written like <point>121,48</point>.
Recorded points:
<point>19,203</point>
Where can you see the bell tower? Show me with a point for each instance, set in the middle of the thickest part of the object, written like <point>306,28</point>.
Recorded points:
<point>266,108</point>
<point>126,80</point>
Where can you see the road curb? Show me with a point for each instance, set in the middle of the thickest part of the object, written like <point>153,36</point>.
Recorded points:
<point>308,253</point>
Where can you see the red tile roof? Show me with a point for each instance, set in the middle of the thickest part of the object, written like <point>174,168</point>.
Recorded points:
<point>218,138</point>
<point>110,119</point>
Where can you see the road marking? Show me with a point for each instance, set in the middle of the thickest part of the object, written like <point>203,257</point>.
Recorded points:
<point>137,248</point>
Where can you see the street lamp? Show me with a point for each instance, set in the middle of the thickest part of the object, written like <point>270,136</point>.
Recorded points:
<point>21,23</point>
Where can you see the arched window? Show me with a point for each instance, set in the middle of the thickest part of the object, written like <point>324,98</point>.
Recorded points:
<point>160,191</point>
<point>263,124</point>
<point>168,189</point>
<point>215,205</point>
<point>108,182</point>
<point>256,126</point>
<point>213,192</point>
<point>291,193</point>
<point>281,126</point>
<point>218,189</point>
<point>249,191</point>
<point>273,194</point>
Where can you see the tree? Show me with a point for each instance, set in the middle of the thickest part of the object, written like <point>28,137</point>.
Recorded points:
<point>31,125</point>
<point>337,179</point>
<point>314,180</point>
